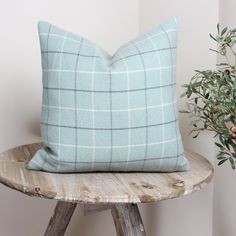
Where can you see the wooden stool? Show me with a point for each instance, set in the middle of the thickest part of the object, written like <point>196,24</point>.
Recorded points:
<point>119,192</point>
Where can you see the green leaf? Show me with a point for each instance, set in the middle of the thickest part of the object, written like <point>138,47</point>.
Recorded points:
<point>234,82</point>
<point>234,154</point>
<point>227,145</point>
<point>222,64</point>
<point>195,136</point>
<point>218,145</point>
<point>232,162</point>
<point>233,144</point>
<point>189,93</point>
<point>218,28</point>
<point>221,139</point>
<point>214,50</point>
<point>222,161</point>
<point>213,37</point>
<point>224,31</point>
<point>207,95</point>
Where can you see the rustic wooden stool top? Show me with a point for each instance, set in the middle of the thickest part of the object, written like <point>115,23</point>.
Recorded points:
<point>119,192</point>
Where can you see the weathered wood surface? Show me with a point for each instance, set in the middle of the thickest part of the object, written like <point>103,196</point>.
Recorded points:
<point>60,219</point>
<point>127,219</point>
<point>91,208</point>
<point>101,187</point>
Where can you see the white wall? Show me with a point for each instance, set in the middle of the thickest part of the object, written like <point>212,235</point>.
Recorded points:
<point>110,24</point>
<point>191,215</point>
<point>224,184</point>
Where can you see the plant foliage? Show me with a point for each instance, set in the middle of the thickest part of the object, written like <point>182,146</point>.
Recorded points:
<point>211,97</point>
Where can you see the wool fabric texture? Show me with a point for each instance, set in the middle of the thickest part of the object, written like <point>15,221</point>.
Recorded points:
<point>109,113</point>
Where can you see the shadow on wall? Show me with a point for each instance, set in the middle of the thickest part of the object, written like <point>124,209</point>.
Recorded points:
<point>34,127</point>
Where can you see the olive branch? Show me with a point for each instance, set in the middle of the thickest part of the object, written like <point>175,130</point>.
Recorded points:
<point>211,97</point>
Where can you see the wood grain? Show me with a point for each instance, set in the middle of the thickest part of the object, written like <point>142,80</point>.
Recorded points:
<point>60,219</point>
<point>127,219</point>
<point>92,208</point>
<point>101,187</point>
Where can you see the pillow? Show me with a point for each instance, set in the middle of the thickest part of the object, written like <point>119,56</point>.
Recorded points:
<point>109,113</point>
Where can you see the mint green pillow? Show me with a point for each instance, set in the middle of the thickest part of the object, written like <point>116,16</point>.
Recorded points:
<point>109,113</point>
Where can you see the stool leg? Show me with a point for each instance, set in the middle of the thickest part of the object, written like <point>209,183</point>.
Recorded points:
<point>60,219</point>
<point>127,219</point>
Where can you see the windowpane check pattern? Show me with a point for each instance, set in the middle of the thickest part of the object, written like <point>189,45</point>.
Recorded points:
<point>109,113</point>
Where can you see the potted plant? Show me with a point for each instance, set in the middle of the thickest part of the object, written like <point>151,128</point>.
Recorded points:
<point>211,97</point>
